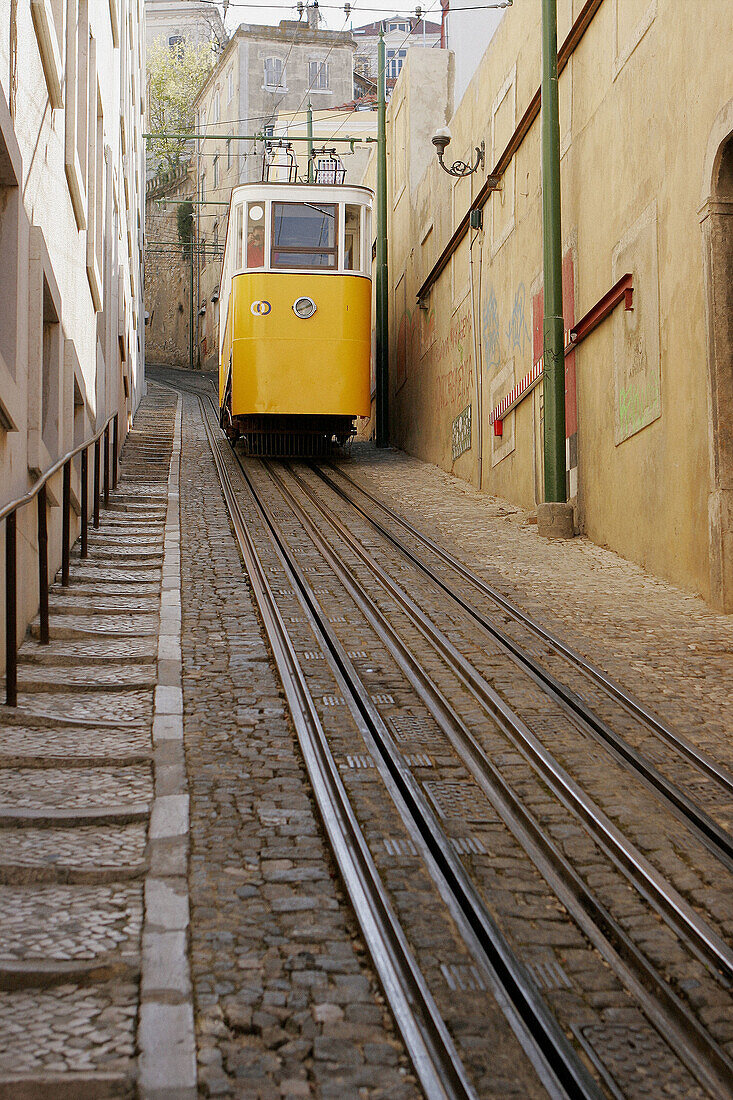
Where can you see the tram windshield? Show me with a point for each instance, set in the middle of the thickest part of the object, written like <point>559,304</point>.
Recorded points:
<point>304,234</point>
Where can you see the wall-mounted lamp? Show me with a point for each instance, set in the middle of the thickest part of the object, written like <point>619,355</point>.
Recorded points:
<point>441,141</point>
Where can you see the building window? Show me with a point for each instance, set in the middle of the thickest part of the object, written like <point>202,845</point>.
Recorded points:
<point>398,27</point>
<point>215,239</point>
<point>318,76</point>
<point>229,153</point>
<point>274,72</point>
<point>395,61</point>
<point>230,85</point>
<point>217,105</point>
<point>216,171</point>
<point>77,105</point>
<point>269,130</point>
<point>202,192</point>
<point>176,43</point>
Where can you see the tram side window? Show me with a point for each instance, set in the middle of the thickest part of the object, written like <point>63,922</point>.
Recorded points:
<point>352,238</point>
<point>304,235</point>
<point>255,234</point>
<point>238,239</point>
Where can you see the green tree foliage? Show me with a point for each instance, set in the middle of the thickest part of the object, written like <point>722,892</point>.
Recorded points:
<point>175,77</point>
<point>184,220</point>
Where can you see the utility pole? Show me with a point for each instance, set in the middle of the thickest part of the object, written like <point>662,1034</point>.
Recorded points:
<point>554,517</point>
<point>309,132</point>
<point>382,342</point>
<point>190,322</point>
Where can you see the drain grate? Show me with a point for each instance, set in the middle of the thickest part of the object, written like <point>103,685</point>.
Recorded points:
<point>399,847</point>
<point>418,760</point>
<point>408,727</point>
<point>548,974</point>
<point>457,798</point>
<point>469,846</point>
<point>462,977</point>
<point>359,760</point>
<point>632,1059</point>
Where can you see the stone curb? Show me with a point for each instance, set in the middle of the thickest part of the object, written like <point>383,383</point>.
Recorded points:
<point>166,1037</point>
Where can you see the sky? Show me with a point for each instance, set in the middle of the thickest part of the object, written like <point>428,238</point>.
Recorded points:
<point>334,17</point>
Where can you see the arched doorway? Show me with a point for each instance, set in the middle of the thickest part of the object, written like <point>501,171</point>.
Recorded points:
<point>716,218</point>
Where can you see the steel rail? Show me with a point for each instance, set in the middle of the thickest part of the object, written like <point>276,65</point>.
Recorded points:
<point>427,1040</point>
<point>493,954</point>
<point>708,1062</point>
<point>629,703</point>
<point>563,1071</point>
<point>709,946</point>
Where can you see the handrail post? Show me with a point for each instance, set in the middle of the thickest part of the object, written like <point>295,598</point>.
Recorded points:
<point>11,614</point>
<point>106,466</point>
<point>84,501</point>
<point>96,483</point>
<point>43,565</point>
<point>66,525</point>
<point>115,455</point>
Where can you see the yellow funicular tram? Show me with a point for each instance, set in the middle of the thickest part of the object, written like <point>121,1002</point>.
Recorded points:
<point>295,309</point>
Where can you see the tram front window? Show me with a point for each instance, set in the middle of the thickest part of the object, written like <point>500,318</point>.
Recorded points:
<point>255,235</point>
<point>304,234</point>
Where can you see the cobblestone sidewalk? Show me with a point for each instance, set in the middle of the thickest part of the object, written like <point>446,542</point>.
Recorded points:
<point>76,794</point>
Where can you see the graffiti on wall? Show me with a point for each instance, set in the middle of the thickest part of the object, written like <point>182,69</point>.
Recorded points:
<point>517,334</point>
<point>461,433</point>
<point>454,384</point>
<point>491,332</point>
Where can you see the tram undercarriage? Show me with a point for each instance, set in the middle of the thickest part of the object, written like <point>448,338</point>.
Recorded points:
<point>290,436</point>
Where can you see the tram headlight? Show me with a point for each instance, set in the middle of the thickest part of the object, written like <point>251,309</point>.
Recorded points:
<point>304,308</point>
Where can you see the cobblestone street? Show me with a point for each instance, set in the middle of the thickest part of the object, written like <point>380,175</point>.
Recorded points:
<point>168,886</point>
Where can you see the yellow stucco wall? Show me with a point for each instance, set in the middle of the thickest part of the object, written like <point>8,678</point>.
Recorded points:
<point>638,100</point>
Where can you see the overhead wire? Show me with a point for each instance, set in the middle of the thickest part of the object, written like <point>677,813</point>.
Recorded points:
<point>382,71</point>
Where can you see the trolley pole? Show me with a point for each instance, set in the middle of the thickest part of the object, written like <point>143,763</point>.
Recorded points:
<point>190,320</point>
<point>382,319</point>
<point>553,326</point>
<point>309,132</point>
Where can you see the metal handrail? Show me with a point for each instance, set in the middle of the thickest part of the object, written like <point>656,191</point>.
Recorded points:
<point>21,501</point>
<point>9,514</point>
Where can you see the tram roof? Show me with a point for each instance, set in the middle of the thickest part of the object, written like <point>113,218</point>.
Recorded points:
<point>273,189</point>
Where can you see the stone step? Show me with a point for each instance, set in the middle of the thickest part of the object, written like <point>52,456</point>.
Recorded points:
<point>74,746</point>
<point>84,855</point>
<point>68,1043</point>
<point>122,554</point>
<point>67,1086</point>
<point>41,678</point>
<point>62,923</point>
<point>102,590</point>
<point>92,627</point>
<point>91,652</point>
<point>97,572</point>
<point>113,708</point>
<point>69,789</point>
<point>19,817</point>
<point>106,605</point>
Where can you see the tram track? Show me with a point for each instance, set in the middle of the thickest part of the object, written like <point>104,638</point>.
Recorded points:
<point>718,839</point>
<point>703,1056</point>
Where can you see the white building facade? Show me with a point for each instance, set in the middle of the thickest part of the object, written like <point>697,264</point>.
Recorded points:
<point>176,21</point>
<point>72,184</point>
